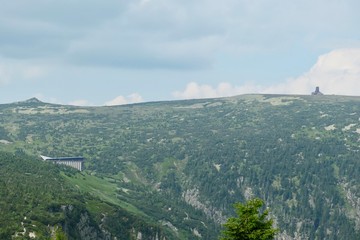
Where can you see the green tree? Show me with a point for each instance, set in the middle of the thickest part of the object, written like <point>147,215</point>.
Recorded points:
<point>250,223</point>
<point>60,235</point>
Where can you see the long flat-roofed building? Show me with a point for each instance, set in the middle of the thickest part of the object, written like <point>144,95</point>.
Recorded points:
<point>75,162</point>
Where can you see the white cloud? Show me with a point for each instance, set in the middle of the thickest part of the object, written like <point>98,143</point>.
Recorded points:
<point>4,75</point>
<point>32,72</point>
<point>14,70</point>
<point>151,35</point>
<point>121,100</point>
<point>80,102</point>
<point>194,90</point>
<point>167,34</point>
<point>337,72</point>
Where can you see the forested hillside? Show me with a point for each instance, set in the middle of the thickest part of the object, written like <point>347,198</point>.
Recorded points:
<point>36,202</point>
<point>179,166</point>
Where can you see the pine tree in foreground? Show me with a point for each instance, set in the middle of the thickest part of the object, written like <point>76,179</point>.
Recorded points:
<point>249,224</point>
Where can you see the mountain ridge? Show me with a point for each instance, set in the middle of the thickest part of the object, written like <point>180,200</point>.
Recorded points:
<point>182,164</point>
<point>36,100</point>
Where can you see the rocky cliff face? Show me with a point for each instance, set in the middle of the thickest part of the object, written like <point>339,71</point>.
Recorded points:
<point>88,230</point>
<point>80,225</point>
<point>192,197</point>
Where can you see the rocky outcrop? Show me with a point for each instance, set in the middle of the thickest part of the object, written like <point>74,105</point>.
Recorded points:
<point>87,230</point>
<point>192,197</point>
<point>79,224</point>
<point>353,200</point>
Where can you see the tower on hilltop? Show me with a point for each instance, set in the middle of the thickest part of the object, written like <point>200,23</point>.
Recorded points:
<point>317,92</point>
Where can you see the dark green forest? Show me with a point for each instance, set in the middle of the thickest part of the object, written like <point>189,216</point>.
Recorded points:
<point>176,168</point>
<point>36,199</point>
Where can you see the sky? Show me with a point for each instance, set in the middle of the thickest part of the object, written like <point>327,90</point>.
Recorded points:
<point>92,52</point>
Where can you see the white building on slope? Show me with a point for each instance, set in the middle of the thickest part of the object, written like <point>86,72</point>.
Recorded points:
<point>75,162</point>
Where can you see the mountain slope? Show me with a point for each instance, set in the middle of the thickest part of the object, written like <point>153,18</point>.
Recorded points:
<point>183,164</point>
<point>33,197</point>
<point>37,202</point>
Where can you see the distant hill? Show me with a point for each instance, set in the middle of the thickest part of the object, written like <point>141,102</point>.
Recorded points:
<point>177,167</point>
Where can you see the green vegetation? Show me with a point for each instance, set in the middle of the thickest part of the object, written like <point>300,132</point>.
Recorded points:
<point>176,168</point>
<point>249,224</point>
<point>33,197</point>
<point>100,188</point>
<point>37,202</point>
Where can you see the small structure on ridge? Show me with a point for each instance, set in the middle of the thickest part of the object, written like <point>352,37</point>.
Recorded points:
<point>317,92</point>
<point>75,162</point>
